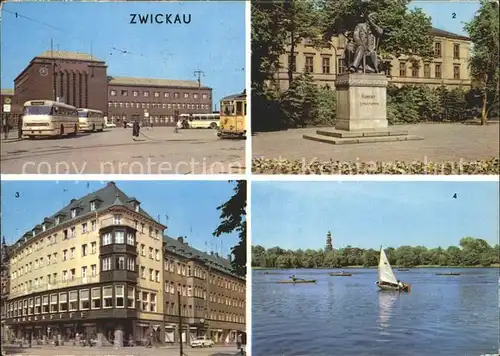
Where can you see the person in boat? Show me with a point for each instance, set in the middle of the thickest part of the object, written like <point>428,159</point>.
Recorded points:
<point>400,284</point>
<point>294,279</point>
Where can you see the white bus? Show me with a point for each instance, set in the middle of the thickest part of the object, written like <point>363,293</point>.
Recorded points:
<point>201,121</point>
<point>49,118</point>
<point>91,120</point>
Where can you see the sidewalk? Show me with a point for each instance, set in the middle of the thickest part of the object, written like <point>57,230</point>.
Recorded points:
<point>11,137</point>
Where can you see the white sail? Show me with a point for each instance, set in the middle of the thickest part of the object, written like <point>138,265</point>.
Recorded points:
<point>385,273</point>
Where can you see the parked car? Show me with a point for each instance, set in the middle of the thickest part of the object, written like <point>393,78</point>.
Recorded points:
<point>202,341</point>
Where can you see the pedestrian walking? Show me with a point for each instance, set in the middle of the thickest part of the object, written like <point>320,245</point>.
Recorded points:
<point>135,130</point>
<point>239,341</point>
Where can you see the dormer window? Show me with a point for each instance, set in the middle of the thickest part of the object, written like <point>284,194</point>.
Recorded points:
<point>58,219</point>
<point>92,205</point>
<point>73,213</point>
<point>33,232</point>
<point>137,207</point>
<point>44,227</point>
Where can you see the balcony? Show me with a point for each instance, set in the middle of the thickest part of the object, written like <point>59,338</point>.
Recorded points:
<point>108,222</point>
<point>55,286</point>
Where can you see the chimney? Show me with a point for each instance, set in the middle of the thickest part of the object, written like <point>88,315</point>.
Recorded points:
<point>217,254</point>
<point>229,257</point>
<point>72,201</point>
<point>211,253</point>
<point>180,239</point>
<point>111,184</point>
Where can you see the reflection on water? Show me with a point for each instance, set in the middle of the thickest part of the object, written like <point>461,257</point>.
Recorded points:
<point>442,315</point>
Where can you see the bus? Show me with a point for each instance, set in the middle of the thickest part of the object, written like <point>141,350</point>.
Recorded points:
<point>49,118</point>
<point>233,112</point>
<point>200,121</point>
<point>90,120</point>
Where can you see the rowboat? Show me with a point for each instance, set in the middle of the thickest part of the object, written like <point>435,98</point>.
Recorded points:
<point>298,281</point>
<point>386,278</point>
<point>448,274</point>
<point>403,269</point>
<point>340,274</point>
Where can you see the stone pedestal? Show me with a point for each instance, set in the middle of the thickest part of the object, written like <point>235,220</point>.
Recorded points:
<point>361,102</point>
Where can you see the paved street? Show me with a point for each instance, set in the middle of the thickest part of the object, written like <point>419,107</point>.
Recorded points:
<point>158,151</point>
<point>127,351</point>
<point>442,142</point>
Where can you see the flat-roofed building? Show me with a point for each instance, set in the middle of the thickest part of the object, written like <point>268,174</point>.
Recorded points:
<point>155,101</point>
<point>449,66</point>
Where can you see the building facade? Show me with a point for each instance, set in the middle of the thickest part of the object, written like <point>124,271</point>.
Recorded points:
<point>81,80</point>
<point>77,79</point>
<point>449,67</point>
<point>97,268</point>
<point>155,101</point>
<point>4,285</point>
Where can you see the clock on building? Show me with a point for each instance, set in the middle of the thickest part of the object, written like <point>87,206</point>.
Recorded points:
<point>44,71</point>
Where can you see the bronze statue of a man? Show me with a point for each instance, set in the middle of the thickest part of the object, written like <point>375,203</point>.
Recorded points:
<point>366,39</point>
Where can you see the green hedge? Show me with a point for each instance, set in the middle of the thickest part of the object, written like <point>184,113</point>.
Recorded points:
<point>283,166</point>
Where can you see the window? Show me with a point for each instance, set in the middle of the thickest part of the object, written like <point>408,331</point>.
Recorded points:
<point>456,51</point>
<point>58,219</point>
<point>72,232</point>
<point>135,93</point>
<point>143,272</point>
<point>130,239</point>
<point>456,72</point>
<point>152,300</point>
<point>96,298</point>
<point>119,237</point>
<point>157,255</point>
<point>93,248</point>
<point>157,275</point>
<point>53,303</point>
<point>30,306</point>
<point>93,270</point>
<point>146,94</point>
<point>63,302</point>
<point>84,274</point>
<point>130,297</point>
<point>157,94</point>
<point>414,71</point>
<point>190,291</point>
<point>106,239</point>
<point>145,301</point>
<point>84,250</point>
<point>326,65</point>
<point>120,296</point>
<point>120,262</point>
<point>84,228</point>
<point>72,252</point>
<point>151,275</point>
<point>151,253</point>
<point>92,205</point>
<point>93,225</point>
<point>72,274</point>
<point>186,95</point>
<point>107,297</point>
<point>131,263</point>
<point>45,304</point>
<point>106,264</point>
<point>124,93</point>
<point>437,49</point>
<point>65,234</point>
<point>65,255</point>
<point>438,71</point>
<point>112,92</point>
<point>402,69</point>
<point>427,70</point>
<point>38,307</point>
<point>117,219</point>
<point>84,299</point>
<point>143,250</point>
<point>73,213</point>
<point>309,67</point>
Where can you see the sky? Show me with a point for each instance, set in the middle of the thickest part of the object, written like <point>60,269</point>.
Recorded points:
<point>214,40</point>
<point>448,15</point>
<point>190,205</point>
<point>295,215</point>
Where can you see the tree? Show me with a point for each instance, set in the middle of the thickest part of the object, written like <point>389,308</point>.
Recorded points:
<point>233,218</point>
<point>484,61</point>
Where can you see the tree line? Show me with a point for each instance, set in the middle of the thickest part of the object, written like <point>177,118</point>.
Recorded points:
<point>279,26</point>
<point>471,252</point>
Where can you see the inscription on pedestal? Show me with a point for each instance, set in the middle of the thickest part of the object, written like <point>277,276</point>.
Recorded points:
<point>368,100</point>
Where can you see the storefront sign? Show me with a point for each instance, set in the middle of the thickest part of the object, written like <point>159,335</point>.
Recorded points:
<point>6,107</point>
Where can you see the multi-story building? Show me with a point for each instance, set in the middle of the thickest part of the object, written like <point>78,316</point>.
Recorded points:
<point>98,266</point>
<point>81,80</point>
<point>155,101</point>
<point>449,66</point>
<point>4,285</point>
<point>77,79</point>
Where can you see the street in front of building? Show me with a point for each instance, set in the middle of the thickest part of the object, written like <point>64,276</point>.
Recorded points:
<point>129,351</point>
<point>157,151</point>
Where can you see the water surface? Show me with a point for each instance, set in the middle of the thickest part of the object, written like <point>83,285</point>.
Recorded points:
<point>442,315</point>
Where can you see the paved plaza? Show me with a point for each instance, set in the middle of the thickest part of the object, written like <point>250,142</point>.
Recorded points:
<point>157,151</point>
<point>126,351</point>
<point>442,143</point>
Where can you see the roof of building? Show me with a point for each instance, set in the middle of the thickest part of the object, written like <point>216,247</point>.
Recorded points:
<point>153,82</point>
<point>76,56</point>
<point>241,95</point>
<point>7,91</point>
<point>180,247</point>
<point>443,33</point>
<point>109,196</point>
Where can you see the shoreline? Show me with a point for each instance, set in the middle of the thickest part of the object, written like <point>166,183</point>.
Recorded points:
<point>495,265</point>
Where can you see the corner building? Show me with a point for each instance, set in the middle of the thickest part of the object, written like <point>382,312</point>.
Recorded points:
<point>102,264</point>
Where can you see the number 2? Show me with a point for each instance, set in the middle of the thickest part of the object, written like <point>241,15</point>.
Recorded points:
<point>453,15</point>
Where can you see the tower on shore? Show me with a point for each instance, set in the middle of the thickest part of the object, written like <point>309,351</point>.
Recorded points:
<point>329,245</point>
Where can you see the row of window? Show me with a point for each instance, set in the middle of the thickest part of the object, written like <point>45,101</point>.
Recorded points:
<point>154,275</point>
<point>415,71</point>
<point>157,94</point>
<point>437,50</point>
<point>132,105</point>
<point>77,300</point>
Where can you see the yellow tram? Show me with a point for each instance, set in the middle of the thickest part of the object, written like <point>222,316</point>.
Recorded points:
<point>233,113</point>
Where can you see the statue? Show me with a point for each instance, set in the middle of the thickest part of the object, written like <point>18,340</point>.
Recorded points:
<point>360,54</point>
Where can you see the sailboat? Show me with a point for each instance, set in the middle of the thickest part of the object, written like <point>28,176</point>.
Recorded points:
<point>386,278</point>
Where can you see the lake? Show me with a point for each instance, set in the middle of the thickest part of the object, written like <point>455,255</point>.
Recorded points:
<point>442,315</point>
